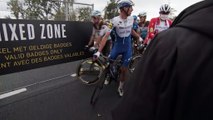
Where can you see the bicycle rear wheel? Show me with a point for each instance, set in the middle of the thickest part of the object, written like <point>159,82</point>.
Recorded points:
<point>89,71</point>
<point>133,63</point>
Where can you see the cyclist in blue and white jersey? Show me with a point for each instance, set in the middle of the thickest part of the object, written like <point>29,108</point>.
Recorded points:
<point>122,25</point>
<point>135,27</point>
<point>135,23</point>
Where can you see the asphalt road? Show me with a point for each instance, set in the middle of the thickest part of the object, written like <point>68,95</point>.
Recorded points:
<point>53,93</point>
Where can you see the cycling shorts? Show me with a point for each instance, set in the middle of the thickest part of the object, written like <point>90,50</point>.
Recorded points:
<point>121,49</point>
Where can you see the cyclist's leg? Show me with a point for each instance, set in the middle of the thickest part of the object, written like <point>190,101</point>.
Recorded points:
<point>126,56</point>
<point>112,56</point>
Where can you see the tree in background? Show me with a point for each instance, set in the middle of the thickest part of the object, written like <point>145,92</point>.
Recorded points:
<point>62,8</point>
<point>111,10</point>
<point>60,14</point>
<point>40,9</point>
<point>48,10</point>
<point>84,13</point>
<point>72,13</point>
<point>33,9</point>
<point>16,8</point>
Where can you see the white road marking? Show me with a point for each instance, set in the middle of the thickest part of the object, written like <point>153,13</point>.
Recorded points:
<point>73,75</point>
<point>15,92</point>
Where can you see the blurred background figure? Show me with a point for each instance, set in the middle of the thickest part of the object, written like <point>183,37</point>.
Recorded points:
<point>159,24</point>
<point>143,24</point>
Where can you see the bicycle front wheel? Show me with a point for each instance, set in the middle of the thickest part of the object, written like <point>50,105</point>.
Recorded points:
<point>98,88</point>
<point>89,71</point>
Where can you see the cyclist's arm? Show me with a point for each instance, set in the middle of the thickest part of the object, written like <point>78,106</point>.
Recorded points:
<point>92,37</point>
<point>97,41</point>
<point>103,41</point>
<point>150,31</point>
<point>139,31</point>
<point>101,33</point>
<point>135,34</point>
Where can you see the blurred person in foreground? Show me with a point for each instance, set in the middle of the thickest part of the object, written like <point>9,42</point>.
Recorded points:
<point>174,79</point>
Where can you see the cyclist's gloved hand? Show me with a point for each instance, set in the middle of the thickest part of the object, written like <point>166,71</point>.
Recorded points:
<point>140,46</point>
<point>96,55</point>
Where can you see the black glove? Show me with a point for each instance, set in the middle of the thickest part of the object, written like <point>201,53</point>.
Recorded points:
<point>140,46</point>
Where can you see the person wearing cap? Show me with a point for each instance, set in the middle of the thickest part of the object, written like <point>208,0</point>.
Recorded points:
<point>174,79</point>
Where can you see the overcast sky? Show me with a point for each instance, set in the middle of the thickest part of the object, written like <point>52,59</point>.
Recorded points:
<point>150,6</point>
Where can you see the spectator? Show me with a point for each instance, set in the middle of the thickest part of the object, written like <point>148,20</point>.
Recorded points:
<point>174,79</point>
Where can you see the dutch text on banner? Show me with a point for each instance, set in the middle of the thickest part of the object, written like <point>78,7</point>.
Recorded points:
<point>30,44</point>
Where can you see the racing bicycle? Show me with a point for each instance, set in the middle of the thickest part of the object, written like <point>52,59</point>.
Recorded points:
<point>89,70</point>
<point>110,72</point>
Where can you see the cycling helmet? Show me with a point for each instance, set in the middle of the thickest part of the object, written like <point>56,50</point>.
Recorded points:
<point>124,3</point>
<point>135,17</point>
<point>96,13</point>
<point>165,8</point>
<point>142,14</point>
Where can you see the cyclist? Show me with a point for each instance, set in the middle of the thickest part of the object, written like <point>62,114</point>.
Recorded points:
<point>135,23</point>
<point>122,25</point>
<point>143,24</point>
<point>159,24</point>
<point>99,29</point>
<point>135,27</point>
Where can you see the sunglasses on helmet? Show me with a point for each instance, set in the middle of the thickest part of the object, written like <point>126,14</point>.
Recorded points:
<point>166,13</point>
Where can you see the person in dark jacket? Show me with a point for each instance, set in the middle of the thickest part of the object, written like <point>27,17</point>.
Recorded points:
<point>174,79</point>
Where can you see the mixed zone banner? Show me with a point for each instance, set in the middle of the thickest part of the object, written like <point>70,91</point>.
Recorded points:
<point>29,44</point>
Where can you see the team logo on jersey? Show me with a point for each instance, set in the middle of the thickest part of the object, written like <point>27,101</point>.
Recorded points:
<point>151,29</point>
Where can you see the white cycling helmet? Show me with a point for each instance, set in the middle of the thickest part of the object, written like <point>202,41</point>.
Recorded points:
<point>96,13</point>
<point>165,8</point>
<point>142,14</point>
<point>124,3</point>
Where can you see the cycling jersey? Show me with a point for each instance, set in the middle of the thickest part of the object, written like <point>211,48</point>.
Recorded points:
<point>123,27</point>
<point>98,33</point>
<point>101,32</point>
<point>135,26</point>
<point>122,43</point>
<point>143,32</point>
<point>156,26</point>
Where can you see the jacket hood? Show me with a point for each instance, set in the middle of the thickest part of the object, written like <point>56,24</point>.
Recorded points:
<point>197,17</point>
